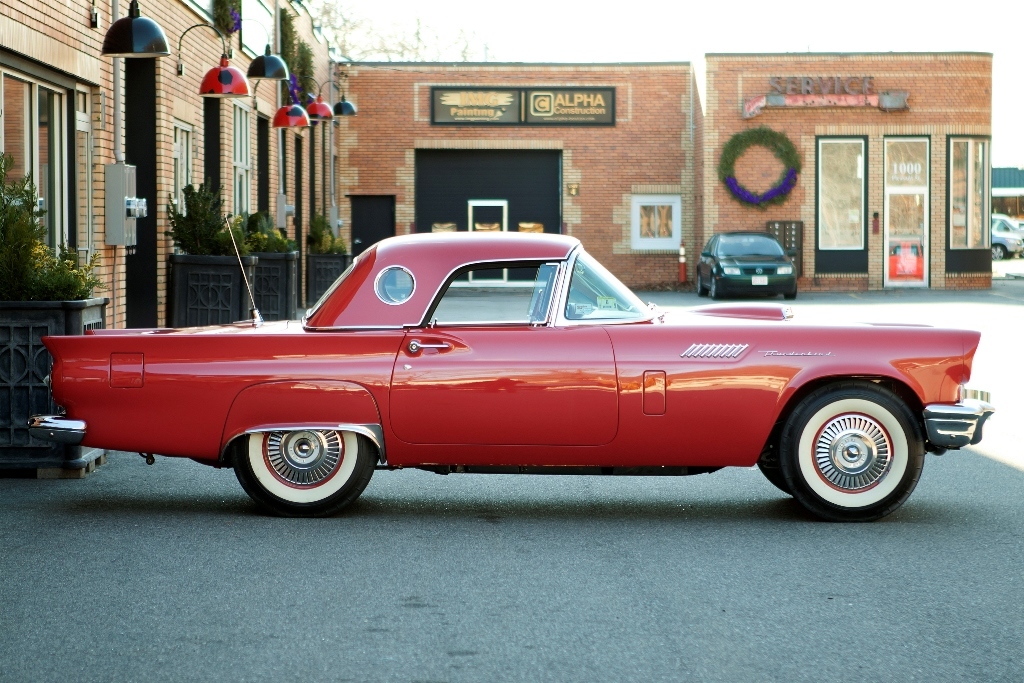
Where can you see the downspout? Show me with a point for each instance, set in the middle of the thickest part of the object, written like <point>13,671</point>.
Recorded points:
<point>115,14</point>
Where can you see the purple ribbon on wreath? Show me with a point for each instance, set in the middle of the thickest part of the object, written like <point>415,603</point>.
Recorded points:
<point>236,21</point>
<point>293,88</point>
<point>745,195</point>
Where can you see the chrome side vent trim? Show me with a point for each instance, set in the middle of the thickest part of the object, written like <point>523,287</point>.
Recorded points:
<point>714,351</point>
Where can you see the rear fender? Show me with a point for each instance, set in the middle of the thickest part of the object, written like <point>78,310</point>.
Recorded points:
<point>304,404</point>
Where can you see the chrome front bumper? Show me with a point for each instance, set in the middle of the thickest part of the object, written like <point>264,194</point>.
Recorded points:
<point>958,425</point>
<point>56,428</point>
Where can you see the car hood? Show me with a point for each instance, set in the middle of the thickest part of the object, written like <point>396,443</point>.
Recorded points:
<point>753,260</point>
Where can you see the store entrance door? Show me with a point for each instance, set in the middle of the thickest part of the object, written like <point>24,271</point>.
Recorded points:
<point>906,212</point>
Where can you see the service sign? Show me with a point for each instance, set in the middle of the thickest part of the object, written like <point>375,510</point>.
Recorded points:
<point>523,106</point>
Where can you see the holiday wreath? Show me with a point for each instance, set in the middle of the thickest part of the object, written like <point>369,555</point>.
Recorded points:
<point>779,145</point>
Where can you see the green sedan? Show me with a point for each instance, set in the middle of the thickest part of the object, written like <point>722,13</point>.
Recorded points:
<point>745,263</point>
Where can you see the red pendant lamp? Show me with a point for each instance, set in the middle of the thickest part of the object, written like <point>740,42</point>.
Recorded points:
<point>291,116</point>
<point>220,81</point>
<point>320,110</point>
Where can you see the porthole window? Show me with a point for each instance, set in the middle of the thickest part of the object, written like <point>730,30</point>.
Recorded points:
<point>395,285</point>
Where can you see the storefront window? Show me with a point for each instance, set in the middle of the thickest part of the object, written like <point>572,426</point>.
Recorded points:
<point>840,194</point>
<point>241,160</point>
<point>656,221</point>
<point>182,155</point>
<point>17,113</point>
<point>83,176</point>
<point>968,194</point>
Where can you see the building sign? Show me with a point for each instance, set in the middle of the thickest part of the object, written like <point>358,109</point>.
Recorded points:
<point>824,91</point>
<point>515,106</point>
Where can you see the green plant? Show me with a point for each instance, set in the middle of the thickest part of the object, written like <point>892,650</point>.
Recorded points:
<point>30,270</point>
<point>262,237</point>
<point>227,15</point>
<point>322,240</point>
<point>201,230</point>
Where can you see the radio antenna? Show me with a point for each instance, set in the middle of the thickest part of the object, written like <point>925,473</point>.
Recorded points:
<point>254,313</point>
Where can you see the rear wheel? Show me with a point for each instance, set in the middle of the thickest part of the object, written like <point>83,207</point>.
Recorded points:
<point>304,473</point>
<point>851,452</point>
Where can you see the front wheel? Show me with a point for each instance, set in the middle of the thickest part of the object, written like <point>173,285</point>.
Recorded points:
<point>851,452</point>
<point>715,292</point>
<point>998,252</point>
<point>701,290</point>
<point>304,473</point>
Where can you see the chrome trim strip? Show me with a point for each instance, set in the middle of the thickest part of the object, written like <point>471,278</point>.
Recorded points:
<point>373,432</point>
<point>56,429</point>
<point>957,425</point>
<point>714,351</point>
<point>340,328</point>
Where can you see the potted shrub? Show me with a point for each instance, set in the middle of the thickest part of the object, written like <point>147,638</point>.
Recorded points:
<point>205,285</point>
<point>42,292</point>
<point>327,259</point>
<point>275,282</point>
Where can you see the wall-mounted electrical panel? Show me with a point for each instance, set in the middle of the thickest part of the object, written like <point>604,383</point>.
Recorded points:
<point>121,204</point>
<point>283,211</point>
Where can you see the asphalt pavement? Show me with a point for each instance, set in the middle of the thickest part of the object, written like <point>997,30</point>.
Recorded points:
<point>169,573</point>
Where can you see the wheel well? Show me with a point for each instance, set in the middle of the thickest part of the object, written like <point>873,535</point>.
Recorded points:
<point>769,453</point>
<point>237,446</point>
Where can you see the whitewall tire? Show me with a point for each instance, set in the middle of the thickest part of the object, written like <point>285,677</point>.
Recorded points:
<point>851,452</point>
<point>306,472</point>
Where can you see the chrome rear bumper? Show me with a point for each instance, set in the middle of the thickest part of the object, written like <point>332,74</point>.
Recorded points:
<point>958,425</point>
<point>56,428</point>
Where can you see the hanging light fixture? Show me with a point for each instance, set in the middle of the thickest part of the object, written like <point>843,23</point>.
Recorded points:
<point>320,110</point>
<point>135,36</point>
<point>220,81</point>
<point>268,67</point>
<point>344,108</point>
<point>291,116</point>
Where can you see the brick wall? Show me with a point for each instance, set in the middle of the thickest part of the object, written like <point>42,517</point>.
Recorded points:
<point>950,94</point>
<point>650,149</point>
<point>57,35</point>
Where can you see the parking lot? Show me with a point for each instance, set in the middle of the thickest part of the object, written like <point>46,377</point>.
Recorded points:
<point>169,572</point>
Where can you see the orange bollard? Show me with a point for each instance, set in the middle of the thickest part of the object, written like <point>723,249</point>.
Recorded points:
<point>682,263</point>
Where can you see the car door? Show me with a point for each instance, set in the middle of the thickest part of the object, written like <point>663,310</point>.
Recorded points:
<point>492,370</point>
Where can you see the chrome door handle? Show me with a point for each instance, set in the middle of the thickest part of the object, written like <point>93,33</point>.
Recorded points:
<point>415,345</point>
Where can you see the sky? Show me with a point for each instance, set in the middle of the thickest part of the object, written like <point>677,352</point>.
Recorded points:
<point>655,31</point>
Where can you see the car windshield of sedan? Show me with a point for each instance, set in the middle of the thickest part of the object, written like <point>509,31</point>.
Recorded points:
<point>595,294</point>
<point>748,245</point>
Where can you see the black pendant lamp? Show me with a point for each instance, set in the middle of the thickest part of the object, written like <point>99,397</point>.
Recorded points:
<point>135,36</point>
<point>344,108</point>
<point>267,67</point>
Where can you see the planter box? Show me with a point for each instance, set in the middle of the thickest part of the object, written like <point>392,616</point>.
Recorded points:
<point>24,365</point>
<point>321,272</point>
<point>207,290</point>
<point>274,286</point>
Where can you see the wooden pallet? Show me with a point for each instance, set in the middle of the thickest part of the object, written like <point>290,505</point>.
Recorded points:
<point>78,473</point>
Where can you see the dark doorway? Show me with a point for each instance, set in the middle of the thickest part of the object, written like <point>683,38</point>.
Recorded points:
<point>373,219</point>
<point>140,151</point>
<point>262,164</point>
<point>211,142</point>
<point>312,172</point>
<point>530,181</point>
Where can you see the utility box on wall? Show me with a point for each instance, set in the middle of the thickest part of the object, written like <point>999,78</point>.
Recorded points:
<point>790,235</point>
<point>121,205</point>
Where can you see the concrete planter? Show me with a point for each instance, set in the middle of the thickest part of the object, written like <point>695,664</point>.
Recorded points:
<point>274,286</point>
<point>207,290</point>
<point>321,272</point>
<point>24,366</point>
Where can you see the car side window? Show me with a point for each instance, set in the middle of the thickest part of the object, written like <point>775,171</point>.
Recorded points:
<point>492,295</point>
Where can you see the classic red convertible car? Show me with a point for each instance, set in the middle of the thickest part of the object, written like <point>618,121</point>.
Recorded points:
<point>519,353</point>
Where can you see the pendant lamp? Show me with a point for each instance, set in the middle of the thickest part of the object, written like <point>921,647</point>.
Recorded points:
<point>135,36</point>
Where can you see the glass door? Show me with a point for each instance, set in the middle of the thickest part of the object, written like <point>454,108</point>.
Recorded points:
<point>906,212</point>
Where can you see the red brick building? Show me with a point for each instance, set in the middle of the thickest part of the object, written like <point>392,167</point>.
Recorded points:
<point>609,153</point>
<point>895,183</point>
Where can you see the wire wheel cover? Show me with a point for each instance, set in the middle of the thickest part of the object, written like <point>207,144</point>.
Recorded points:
<point>304,458</point>
<point>852,452</point>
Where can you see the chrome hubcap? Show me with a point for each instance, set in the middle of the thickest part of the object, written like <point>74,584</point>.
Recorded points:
<point>304,458</point>
<point>853,452</point>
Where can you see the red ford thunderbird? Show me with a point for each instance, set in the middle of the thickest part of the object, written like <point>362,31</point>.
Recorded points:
<point>519,353</point>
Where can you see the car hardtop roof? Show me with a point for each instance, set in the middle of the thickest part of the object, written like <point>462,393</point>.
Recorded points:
<point>431,259</point>
<point>472,245</point>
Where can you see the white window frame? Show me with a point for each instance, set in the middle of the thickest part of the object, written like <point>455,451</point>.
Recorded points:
<point>986,191</point>
<point>86,224</point>
<point>182,169</point>
<point>889,191</point>
<point>59,206</point>
<point>863,191</point>
<point>638,243</point>
<point>241,159</point>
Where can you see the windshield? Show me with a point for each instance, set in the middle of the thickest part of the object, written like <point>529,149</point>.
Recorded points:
<point>748,245</point>
<point>595,294</point>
